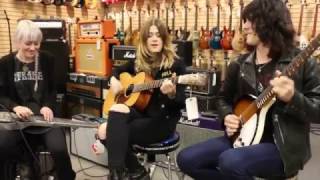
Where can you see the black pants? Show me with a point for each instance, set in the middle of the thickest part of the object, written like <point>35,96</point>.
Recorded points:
<point>126,129</point>
<point>13,146</point>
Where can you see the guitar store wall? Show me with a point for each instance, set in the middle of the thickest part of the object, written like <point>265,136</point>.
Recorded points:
<point>17,9</point>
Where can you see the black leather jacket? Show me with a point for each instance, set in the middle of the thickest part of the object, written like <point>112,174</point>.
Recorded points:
<point>291,122</point>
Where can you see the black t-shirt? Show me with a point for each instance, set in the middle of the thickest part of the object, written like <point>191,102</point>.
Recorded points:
<point>264,73</point>
<point>25,78</point>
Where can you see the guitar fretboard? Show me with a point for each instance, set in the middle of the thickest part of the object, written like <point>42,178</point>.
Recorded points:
<point>150,85</point>
<point>289,71</point>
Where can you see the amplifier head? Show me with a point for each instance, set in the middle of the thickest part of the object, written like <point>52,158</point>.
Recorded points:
<point>123,54</point>
<point>52,29</point>
<point>96,29</point>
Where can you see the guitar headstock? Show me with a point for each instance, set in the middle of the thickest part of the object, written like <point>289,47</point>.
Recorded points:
<point>198,79</point>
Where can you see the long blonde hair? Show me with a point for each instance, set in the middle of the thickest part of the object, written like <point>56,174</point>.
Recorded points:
<point>144,56</point>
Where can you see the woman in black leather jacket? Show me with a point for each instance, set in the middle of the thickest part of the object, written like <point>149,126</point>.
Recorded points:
<point>283,142</point>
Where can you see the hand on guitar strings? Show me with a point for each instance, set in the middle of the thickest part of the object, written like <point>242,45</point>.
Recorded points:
<point>23,112</point>
<point>168,88</point>
<point>47,113</point>
<point>232,123</point>
<point>115,85</point>
<point>283,87</point>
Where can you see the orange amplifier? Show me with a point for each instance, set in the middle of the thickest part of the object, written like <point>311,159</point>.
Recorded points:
<point>93,56</point>
<point>96,29</point>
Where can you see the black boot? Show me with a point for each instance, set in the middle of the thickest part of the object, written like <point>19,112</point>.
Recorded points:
<point>139,174</point>
<point>118,174</point>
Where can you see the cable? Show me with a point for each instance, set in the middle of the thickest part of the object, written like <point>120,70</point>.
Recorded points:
<point>82,169</point>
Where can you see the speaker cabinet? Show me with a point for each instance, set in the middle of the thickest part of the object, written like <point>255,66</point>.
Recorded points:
<point>60,51</point>
<point>93,56</point>
<point>190,135</point>
<point>81,139</point>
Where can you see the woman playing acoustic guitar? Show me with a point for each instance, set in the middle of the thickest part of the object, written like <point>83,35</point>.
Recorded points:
<point>274,72</point>
<point>128,125</point>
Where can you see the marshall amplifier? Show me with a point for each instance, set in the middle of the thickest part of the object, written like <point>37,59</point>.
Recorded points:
<point>52,29</point>
<point>123,54</point>
<point>184,51</point>
<point>213,84</point>
<point>86,85</point>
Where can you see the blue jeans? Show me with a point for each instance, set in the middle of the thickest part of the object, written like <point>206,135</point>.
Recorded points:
<point>216,159</point>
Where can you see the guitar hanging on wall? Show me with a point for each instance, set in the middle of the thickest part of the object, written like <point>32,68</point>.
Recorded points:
<point>301,40</point>
<point>238,41</point>
<point>205,33</point>
<point>228,33</point>
<point>216,34</point>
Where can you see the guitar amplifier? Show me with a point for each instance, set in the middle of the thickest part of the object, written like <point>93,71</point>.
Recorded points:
<point>184,50</point>
<point>77,104</point>
<point>213,84</point>
<point>93,56</point>
<point>52,29</point>
<point>86,85</point>
<point>96,29</point>
<point>123,54</point>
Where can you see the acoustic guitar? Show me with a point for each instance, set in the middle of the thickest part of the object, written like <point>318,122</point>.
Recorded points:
<point>205,33</point>
<point>137,89</point>
<point>253,110</point>
<point>238,42</point>
<point>10,121</point>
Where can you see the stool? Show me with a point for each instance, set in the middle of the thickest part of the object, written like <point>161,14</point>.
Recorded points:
<point>164,147</point>
<point>44,166</point>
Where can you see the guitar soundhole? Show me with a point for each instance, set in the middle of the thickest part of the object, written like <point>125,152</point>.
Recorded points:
<point>129,90</point>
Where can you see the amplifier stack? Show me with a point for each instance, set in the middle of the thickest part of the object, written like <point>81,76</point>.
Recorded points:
<point>94,47</point>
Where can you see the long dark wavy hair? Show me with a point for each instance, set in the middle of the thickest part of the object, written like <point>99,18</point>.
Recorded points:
<point>272,22</point>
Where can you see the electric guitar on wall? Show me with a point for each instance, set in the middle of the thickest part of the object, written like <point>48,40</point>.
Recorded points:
<point>253,110</point>
<point>238,42</point>
<point>302,40</point>
<point>137,89</point>
<point>216,34</point>
<point>205,33</point>
<point>228,33</point>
